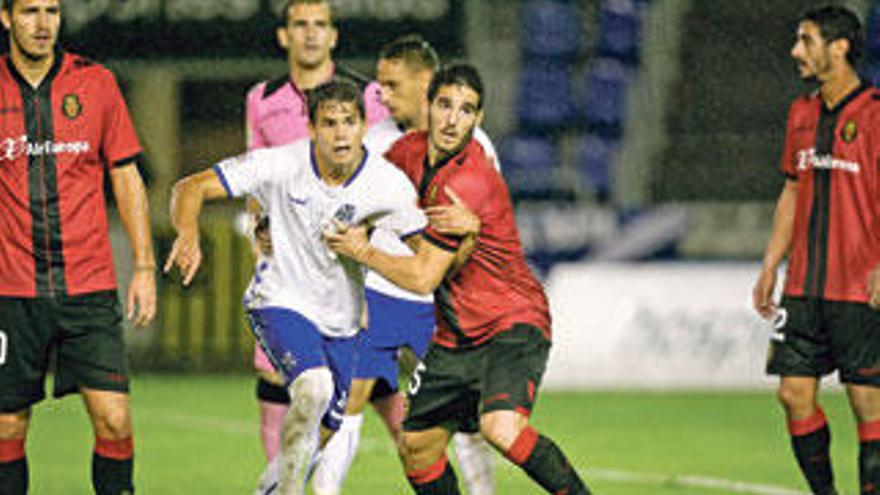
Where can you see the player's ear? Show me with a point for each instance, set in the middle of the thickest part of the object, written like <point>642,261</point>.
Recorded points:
<point>5,18</point>
<point>334,37</point>
<point>282,38</point>
<point>479,120</point>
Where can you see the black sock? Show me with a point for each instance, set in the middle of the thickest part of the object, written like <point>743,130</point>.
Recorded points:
<point>869,457</point>
<point>14,477</point>
<point>113,467</point>
<point>810,440</point>
<point>438,479</point>
<point>269,392</point>
<point>545,463</point>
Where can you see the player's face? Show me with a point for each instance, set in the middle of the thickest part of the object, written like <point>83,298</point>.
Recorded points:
<point>33,27</point>
<point>453,114</point>
<point>309,35</point>
<point>811,52</point>
<point>404,90</point>
<point>338,133</point>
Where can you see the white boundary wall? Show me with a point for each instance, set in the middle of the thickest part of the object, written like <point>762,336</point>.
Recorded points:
<point>656,326</point>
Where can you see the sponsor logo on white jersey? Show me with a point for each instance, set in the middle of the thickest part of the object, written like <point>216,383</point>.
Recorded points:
<point>809,159</point>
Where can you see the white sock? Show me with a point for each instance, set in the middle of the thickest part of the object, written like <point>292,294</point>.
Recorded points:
<point>337,456</point>
<point>474,462</point>
<point>311,393</point>
<point>268,483</point>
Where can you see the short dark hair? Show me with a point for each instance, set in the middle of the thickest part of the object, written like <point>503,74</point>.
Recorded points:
<point>457,74</point>
<point>839,23</point>
<point>289,4</point>
<point>337,89</point>
<point>413,50</point>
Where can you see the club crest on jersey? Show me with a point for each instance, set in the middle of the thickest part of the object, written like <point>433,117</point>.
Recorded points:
<point>71,106</point>
<point>345,213</point>
<point>849,132</point>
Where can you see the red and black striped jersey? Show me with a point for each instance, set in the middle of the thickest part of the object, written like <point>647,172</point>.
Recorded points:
<point>834,154</point>
<point>495,288</point>
<point>56,142</point>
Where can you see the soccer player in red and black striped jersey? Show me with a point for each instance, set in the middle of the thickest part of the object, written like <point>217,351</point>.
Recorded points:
<point>485,364</point>
<point>827,222</point>
<point>63,126</point>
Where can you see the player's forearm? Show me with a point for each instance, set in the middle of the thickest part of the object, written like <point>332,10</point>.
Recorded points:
<point>134,212</point>
<point>186,205</point>
<point>407,272</point>
<point>468,244</point>
<point>783,227</point>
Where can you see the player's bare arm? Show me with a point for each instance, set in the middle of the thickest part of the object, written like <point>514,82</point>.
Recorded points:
<point>874,288</point>
<point>131,198</point>
<point>420,273</point>
<point>187,198</point>
<point>456,219</point>
<point>777,248</point>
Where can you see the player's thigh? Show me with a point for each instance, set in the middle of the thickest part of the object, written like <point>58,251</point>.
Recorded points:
<point>855,341</point>
<point>359,395</point>
<point>444,391</point>
<point>515,363</point>
<point>26,333</point>
<point>341,355</point>
<point>800,344</point>
<point>91,348</point>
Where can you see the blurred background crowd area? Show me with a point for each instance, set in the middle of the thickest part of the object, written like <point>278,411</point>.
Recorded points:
<point>628,130</point>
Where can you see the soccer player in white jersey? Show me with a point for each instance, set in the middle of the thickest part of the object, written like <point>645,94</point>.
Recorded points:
<point>397,318</point>
<point>304,303</point>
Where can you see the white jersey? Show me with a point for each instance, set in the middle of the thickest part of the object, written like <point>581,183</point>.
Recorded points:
<point>302,274</point>
<point>378,140</point>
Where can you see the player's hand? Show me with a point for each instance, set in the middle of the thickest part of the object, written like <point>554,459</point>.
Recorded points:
<point>762,294</point>
<point>262,236</point>
<point>351,242</point>
<point>874,288</point>
<point>455,219</point>
<point>186,254</point>
<point>140,301</point>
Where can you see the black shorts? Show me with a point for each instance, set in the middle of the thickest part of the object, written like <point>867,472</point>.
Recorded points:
<point>83,331</point>
<point>813,338</point>
<point>451,388</point>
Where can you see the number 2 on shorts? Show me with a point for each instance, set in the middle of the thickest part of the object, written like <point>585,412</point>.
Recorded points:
<point>3,345</point>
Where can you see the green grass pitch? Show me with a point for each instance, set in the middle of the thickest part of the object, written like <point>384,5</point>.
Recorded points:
<point>198,435</point>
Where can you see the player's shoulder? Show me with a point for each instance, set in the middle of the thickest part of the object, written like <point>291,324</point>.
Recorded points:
<point>384,175</point>
<point>76,65</point>
<point>265,90</point>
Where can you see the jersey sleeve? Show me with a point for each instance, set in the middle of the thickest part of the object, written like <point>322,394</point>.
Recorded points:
<point>119,142</point>
<point>488,148</point>
<point>405,218</point>
<point>252,128</point>
<point>474,187</point>
<point>788,164</point>
<point>373,106</point>
<point>252,173</point>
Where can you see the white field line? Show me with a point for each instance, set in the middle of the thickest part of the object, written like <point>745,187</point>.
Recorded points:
<point>210,424</point>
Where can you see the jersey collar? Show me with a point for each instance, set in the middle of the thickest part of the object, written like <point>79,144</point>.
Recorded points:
<point>46,82</point>
<point>351,178</point>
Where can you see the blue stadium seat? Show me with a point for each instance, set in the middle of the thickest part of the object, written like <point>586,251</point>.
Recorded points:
<point>545,100</point>
<point>603,103</point>
<point>872,31</point>
<point>595,163</point>
<point>530,164</point>
<point>550,30</point>
<point>620,30</point>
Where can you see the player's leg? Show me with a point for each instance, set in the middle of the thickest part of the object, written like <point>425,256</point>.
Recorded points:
<point>24,337</point>
<point>857,353</point>
<point>273,400</point>
<point>800,353</point>
<point>91,360</point>
<point>515,362</point>
<point>443,398</point>
<point>295,347</point>
<point>475,461</point>
<point>13,461</point>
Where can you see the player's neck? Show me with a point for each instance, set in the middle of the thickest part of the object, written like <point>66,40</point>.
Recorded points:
<point>307,78</point>
<point>338,174</point>
<point>839,86</point>
<point>32,70</point>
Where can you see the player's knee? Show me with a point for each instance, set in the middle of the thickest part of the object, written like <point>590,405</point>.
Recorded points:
<point>14,425</point>
<point>311,392</point>
<point>797,399</point>
<point>113,423</point>
<point>500,428</point>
